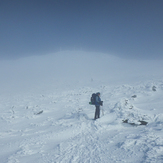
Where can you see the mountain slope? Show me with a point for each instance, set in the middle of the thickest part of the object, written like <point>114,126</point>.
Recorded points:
<point>47,120</point>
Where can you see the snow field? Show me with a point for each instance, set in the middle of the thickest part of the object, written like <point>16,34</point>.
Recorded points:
<point>66,132</point>
<point>46,117</point>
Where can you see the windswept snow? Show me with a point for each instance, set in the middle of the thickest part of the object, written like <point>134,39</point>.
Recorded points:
<point>46,118</point>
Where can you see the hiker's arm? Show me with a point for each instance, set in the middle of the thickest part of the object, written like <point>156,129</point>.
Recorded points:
<point>98,99</point>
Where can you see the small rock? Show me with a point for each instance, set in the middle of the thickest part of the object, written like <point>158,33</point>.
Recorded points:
<point>131,107</point>
<point>39,112</point>
<point>134,124</point>
<point>143,122</point>
<point>154,88</point>
<point>125,121</point>
<point>134,96</point>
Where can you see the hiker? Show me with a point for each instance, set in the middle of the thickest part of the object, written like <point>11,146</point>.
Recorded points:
<point>98,102</point>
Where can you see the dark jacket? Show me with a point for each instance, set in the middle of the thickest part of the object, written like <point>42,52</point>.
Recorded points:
<point>98,101</point>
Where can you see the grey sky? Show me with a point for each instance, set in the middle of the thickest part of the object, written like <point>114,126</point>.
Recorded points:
<point>127,28</point>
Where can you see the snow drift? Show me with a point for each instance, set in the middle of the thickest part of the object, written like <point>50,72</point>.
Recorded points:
<point>46,118</point>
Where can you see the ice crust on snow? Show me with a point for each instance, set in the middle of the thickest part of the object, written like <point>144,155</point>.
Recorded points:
<point>46,116</point>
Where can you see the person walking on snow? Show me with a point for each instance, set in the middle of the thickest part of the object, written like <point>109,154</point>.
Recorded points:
<point>98,102</point>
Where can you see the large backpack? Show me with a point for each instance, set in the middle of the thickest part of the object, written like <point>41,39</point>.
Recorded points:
<point>93,99</point>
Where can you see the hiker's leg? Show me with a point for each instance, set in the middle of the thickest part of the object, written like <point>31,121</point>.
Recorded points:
<point>96,113</point>
<point>99,112</point>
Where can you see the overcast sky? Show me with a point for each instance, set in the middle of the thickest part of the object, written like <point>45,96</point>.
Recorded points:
<point>127,28</point>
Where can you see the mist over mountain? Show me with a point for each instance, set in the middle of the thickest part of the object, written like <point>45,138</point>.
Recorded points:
<point>73,68</point>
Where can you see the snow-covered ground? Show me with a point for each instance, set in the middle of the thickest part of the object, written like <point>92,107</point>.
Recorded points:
<point>46,117</point>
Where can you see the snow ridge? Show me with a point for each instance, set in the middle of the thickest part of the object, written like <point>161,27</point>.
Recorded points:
<point>65,130</point>
<point>46,116</point>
